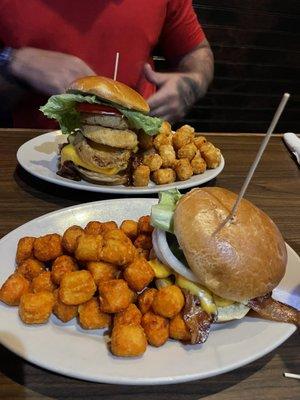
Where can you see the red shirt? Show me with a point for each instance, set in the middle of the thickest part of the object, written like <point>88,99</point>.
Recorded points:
<point>95,30</point>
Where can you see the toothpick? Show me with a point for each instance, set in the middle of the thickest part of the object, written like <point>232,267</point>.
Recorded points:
<point>116,66</point>
<point>263,145</point>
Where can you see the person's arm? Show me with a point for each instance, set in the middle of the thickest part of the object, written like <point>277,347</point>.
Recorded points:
<point>178,91</point>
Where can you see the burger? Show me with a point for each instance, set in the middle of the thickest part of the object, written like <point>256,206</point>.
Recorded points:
<point>224,270</point>
<point>101,118</point>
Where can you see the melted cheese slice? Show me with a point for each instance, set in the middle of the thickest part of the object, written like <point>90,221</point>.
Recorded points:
<point>68,153</point>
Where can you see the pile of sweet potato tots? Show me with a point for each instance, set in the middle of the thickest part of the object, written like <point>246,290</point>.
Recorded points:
<point>174,156</point>
<point>106,277</point>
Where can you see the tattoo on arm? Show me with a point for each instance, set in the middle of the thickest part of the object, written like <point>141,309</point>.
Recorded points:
<point>189,91</point>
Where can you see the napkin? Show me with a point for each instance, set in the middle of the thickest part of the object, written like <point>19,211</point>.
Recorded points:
<point>293,143</point>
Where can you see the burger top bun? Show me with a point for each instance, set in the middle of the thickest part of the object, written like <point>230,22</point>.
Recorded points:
<point>245,259</point>
<point>110,90</point>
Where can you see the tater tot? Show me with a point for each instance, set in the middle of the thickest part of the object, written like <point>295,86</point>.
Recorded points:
<point>115,295</point>
<point>164,176</point>
<point>162,139</point>
<point>61,266</point>
<point>211,154</point>
<point>198,164</point>
<point>48,247</point>
<point>93,228</point>
<point>90,316</point>
<point>77,287</point>
<point>168,301</point>
<point>117,234</point>
<point>13,289</point>
<point>183,169</point>
<point>108,226</point>
<point>144,225</point>
<point>36,308</point>
<point>141,175</point>
<point>153,161</point>
<point>25,249</point>
<point>43,283</point>
<point>70,236</point>
<point>128,341</point>
<point>145,141</point>
<point>102,271</point>
<point>138,274</point>
<point>168,155</point>
<point>117,248</point>
<point>165,128</point>
<point>130,228</point>
<point>144,242</point>
<point>142,253</point>
<point>199,141</point>
<point>156,328</point>
<point>30,268</point>
<point>63,311</point>
<point>187,151</point>
<point>145,299</point>
<point>178,329</point>
<point>131,315</point>
<point>88,247</point>
<point>183,136</point>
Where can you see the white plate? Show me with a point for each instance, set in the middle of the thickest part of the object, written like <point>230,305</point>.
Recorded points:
<point>71,351</point>
<point>39,157</point>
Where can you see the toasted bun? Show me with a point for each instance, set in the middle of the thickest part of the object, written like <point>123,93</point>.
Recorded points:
<point>245,259</point>
<point>110,90</point>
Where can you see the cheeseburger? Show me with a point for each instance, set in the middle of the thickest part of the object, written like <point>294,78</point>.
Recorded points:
<point>101,118</point>
<point>224,271</point>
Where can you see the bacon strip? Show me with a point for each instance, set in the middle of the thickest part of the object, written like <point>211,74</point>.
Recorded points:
<point>269,308</point>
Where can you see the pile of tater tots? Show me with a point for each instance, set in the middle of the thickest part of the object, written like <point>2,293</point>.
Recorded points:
<point>174,156</point>
<point>106,277</point>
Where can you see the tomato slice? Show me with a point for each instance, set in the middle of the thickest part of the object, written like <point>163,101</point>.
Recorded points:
<point>97,109</point>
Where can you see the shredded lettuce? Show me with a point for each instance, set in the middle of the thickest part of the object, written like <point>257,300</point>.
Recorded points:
<point>62,107</point>
<point>163,212</point>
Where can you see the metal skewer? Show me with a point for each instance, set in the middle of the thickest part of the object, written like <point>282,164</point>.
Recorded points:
<point>116,66</point>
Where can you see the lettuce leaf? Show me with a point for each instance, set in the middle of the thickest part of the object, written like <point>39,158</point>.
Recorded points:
<point>163,212</point>
<point>62,107</point>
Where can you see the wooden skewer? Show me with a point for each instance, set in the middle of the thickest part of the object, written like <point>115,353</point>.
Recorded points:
<point>288,375</point>
<point>116,66</point>
<point>263,145</point>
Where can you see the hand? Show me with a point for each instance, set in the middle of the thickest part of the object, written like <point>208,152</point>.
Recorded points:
<point>177,92</point>
<point>48,72</point>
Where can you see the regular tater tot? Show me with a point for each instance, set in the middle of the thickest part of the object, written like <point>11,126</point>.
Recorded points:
<point>108,226</point>
<point>178,329</point>
<point>70,236</point>
<point>77,287</point>
<point>93,228</point>
<point>165,128</point>
<point>48,247</point>
<point>143,241</point>
<point>168,301</point>
<point>30,268</point>
<point>164,176</point>
<point>36,308</point>
<point>138,274</point>
<point>162,139</point>
<point>117,248</point>
<point>211,155</point>
<point>130,228</point>
<point>88,247</point>
<point>61,266</point>
<point>142,253</point>
<point>115,295</point>
<point>199,141</point>
<point>90,316</point>
<point>168,155</point>
<point>153,161</point>
<point>13,289</point>
<point>144,225</point>
<point>183,169</point>
<point>198,164</point>
<point>102,271</point>
<point>25,249</point>
<point>183,136</point>
<point>187,151</point>
<point>145,299</point>
<point>156,328</point>
<point>141,175</point>
<point>128,340</point>
<point>43,283</point>
<point>145,141</point>
<point>63,311</point>
<point>131,315</point>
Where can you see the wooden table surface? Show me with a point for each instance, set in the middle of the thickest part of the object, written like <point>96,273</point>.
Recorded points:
<point>275,188</point>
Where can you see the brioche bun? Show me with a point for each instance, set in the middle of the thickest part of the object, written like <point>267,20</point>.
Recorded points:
<point>245,259</point>
<point>110,90</point>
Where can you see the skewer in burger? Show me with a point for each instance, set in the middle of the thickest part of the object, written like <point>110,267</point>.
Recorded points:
<point>102,118</point>
<point>224,272</point>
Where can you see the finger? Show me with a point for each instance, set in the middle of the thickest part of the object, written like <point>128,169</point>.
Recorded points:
<point>161,97</point>
<point>160,111</point>
<point>157,78</point>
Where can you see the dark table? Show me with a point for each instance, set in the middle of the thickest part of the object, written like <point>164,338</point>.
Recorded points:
<point>275,188</point>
